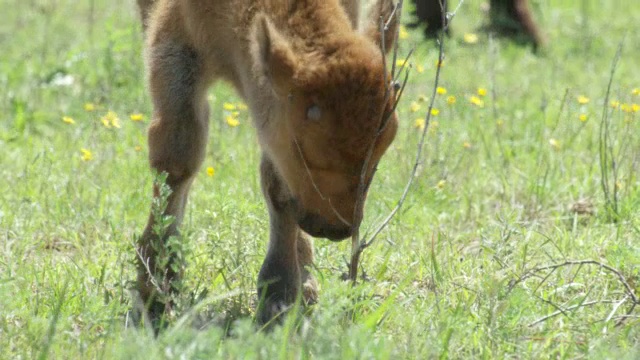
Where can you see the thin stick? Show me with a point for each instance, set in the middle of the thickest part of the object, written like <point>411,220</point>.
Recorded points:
<point>628,315</point>
<point>606,149</point>
<point>357,210</point>
<point>420,147</point>
<point>357,245</point>
<point>558,312</point>
<point>615,308</point>
<point>628,289</point>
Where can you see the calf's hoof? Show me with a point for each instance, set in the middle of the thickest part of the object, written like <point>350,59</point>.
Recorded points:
<point>272,312</point>
<point>309,289</point>
<point>153,315</point>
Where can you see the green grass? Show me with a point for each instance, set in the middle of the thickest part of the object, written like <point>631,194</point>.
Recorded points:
<point>493,198</point>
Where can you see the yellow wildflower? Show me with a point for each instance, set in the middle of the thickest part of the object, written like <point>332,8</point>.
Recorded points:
<point>403,33</point>
<point>105,121</point>
<point>626,108</point>
<point>615,104</point>
<point>482,91</point>
<point>136,117</point>
<point>211,171</point>
<point>451,100</point>
<point>583,117</point>
<point>476,101</point>
<point>401,62</point>
<point>470,38</point>
<point>433,126</point>
<point>441,184</point>
<point>435,112</point>
<point>419,68</point>
<point>635,107</point>
<point>228,106</point>
<point>110,119</point>
<point>85,154</point>
<point>232,121</point>
<point>419,123</point>
<point>440,90</point>
<point>89,107</point>
<point>555,144</point>
<point>115,122</point>
<point>466,145</point>
<point>68,120</point>
<point>137,148</point>
<point>582,100</point>
<point>415,106</point>
<point>635,91</point>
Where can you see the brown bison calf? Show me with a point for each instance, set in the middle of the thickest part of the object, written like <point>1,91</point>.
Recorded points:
<point>318,93</point>
<point>508,17</point>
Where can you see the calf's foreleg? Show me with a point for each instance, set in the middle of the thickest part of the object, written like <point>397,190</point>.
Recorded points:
<point>177,140</point>
<point>284,276</point>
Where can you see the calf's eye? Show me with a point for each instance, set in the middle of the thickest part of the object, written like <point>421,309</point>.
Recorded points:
<point>314,113</point>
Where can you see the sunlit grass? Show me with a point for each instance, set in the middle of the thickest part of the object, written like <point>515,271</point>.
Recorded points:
<point>511,180</point>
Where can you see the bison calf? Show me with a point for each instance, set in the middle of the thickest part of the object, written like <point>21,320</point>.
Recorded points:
<point>318,93</point>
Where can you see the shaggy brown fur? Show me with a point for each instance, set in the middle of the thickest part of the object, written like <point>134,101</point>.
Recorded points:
<point>317,90</point>
<point>508,17</point>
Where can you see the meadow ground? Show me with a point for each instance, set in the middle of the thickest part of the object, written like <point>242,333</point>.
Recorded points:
<point>516,165</point>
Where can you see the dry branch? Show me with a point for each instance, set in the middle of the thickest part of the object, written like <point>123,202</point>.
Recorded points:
<point>629,291</point>
<point>553,267</point>
<point>607,156</point>
<point>358,245</point>
<point>563,311</point>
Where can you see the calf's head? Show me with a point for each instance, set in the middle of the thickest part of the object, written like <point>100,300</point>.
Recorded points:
<point>328,122</point>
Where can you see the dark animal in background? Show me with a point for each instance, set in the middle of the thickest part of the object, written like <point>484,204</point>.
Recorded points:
<point>511,18</point>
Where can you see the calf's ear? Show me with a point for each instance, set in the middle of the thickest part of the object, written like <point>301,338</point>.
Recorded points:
<point>273,58</point>
<point>385,10</point>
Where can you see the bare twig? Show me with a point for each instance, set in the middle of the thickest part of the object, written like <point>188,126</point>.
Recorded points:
<point>558,308</point>
<point>389,91</point>
<point>358,245</point>
<point>420,147</point>
<point>629,291</point>
<point>627,316</point>
<point>607,160</point>
<point>144,260</point>
<point>558,312</point>
<point>615,308</point>
<point>545,279</point>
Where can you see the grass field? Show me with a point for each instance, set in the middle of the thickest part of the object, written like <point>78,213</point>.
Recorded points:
<point>512,181</point>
